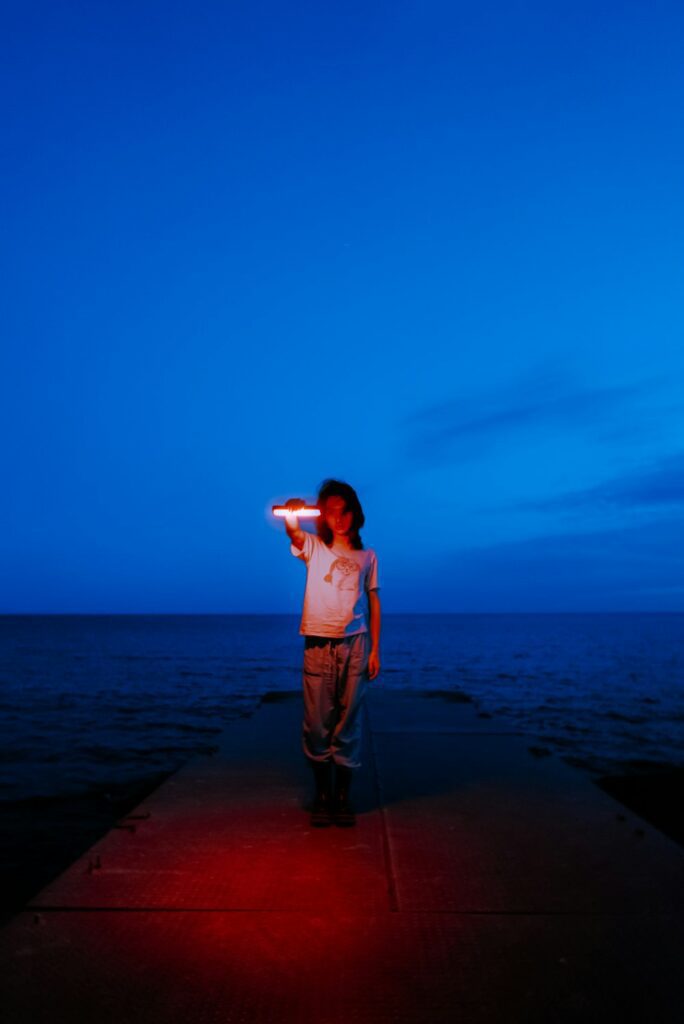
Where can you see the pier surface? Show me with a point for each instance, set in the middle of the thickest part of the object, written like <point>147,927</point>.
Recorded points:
<point>482,883</point>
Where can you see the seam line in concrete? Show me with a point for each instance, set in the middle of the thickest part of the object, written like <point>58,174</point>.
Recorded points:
<point>386,848</point>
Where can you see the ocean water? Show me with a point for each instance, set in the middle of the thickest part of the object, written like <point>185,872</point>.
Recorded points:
<point>92,701</point>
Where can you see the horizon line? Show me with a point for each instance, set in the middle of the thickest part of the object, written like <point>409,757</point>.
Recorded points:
<point>296,615</point>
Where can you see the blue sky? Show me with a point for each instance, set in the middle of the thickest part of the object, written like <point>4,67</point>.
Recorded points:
<point>434,249</point>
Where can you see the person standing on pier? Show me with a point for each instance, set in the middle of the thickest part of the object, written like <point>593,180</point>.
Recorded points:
<point>341,628</point>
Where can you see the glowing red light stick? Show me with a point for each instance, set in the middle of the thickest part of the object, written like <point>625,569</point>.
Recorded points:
<point>304,512</point>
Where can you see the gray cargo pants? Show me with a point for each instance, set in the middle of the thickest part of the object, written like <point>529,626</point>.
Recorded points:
<point>335,677</point>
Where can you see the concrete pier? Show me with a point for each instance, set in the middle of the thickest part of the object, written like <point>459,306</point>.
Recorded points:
<point>482,883</point>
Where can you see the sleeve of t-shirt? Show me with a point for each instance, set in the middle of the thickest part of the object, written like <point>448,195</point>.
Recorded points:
<point>306,552</point>
<point>372,577</point>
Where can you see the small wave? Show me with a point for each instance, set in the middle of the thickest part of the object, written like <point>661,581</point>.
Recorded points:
<point>186,674</point>
<point>452,696</point>
<point>621,716</point>
<point>10,755</point>
<point>257,670</point>
<point>183,727</point>
<point>143,657</point>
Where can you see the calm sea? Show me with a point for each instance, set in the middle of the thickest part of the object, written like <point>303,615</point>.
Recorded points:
<point>89,701</point>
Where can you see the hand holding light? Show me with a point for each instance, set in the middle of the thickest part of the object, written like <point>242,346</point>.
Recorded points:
<point>294,509</point>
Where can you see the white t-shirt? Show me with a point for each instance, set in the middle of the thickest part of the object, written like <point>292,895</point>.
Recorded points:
<point>337,584</point>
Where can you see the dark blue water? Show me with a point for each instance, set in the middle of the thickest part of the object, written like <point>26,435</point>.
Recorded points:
<point>90,700</point>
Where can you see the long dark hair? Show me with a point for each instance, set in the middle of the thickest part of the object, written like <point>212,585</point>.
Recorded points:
<point>338,489</point>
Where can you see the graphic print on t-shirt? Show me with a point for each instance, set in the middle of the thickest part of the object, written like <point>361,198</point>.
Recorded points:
<point>343,574</point>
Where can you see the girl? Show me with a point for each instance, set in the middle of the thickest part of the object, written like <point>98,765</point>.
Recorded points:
<point>341,608</point>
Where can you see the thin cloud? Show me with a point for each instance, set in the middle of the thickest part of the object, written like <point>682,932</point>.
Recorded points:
<point>651,487</point>
<point>631,543</point>
<point>629,568</point>
<point>462,427</point>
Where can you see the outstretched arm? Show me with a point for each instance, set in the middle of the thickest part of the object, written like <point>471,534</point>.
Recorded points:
<point>294,532</point>
<point>374,656</point>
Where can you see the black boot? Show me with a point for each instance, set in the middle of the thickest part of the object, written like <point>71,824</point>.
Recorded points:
<point>321,807</point>
<point>343,812</point>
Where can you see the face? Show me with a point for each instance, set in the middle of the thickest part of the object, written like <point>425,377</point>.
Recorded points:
<point>337,517</point>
